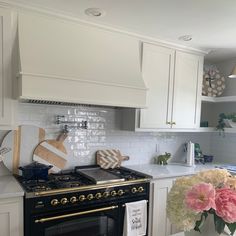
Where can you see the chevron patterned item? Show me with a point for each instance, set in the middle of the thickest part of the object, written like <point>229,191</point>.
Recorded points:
<point>110,159</point>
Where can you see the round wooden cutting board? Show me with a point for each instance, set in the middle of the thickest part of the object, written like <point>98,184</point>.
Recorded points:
<point>52,152</point>
<point>22,143</point>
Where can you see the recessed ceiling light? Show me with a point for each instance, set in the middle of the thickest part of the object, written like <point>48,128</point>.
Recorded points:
<point>186,37</point>
<point>95,12</point>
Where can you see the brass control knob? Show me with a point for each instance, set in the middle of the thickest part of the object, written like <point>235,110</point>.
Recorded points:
<point>141,189</point>
<point>134,190</point>
<point>73,200</point>
<point>113,193</point>
<point>90,197</point>
<point>54,202</point>
<point>64,201</point>
<point>81,198</point>
<point>120,192</point>
<point>106,194</point>
<point>98,195</point>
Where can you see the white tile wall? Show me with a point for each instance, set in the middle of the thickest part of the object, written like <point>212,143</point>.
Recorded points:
<point>104,132</point>
<point>224,147</point>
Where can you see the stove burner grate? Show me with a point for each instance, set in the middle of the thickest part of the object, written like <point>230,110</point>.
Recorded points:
<point>73,179</point>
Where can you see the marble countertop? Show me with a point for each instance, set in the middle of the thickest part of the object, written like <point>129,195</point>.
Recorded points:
<point>170,170</point>
<point>9,187</point>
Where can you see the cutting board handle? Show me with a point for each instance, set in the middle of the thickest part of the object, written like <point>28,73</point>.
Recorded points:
<point>125,158</point>
<point>61,137</point>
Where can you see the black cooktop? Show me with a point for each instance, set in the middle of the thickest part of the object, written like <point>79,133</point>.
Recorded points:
<point>80,176</point>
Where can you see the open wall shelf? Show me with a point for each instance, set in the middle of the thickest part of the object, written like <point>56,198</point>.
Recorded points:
<point>219,99</point>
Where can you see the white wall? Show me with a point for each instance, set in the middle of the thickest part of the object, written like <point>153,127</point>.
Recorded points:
<point>225,68</point>
<point>223,147</point>
<point>104,132</point>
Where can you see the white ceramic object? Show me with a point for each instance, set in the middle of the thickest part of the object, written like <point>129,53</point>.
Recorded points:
<point>22,143</point>
<point>3,169</point>
<point>208,229</point>
<point>232,124</point>
<point>227,125</point>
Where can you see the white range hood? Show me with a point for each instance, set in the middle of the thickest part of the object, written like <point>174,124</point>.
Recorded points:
<point>69,62</point>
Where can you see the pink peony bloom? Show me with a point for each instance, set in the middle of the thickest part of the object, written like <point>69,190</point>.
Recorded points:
<point>226,204</point>
<point>201,197</point>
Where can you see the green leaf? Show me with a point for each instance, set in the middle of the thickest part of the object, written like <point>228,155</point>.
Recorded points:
<point>232,227</point>
<point>219,224</point>
<point>200,222</point>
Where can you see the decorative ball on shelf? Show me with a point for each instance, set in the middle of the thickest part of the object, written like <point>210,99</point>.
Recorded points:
<point>213,83</point>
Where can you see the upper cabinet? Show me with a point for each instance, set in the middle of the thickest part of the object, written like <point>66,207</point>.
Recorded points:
<point>158,72</point>
<point>186,105</point>
<point>6,102</point>
<point>174,80</point>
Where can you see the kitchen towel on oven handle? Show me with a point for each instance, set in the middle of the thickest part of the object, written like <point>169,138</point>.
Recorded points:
<point>110,158</point>
<point>135,221</point>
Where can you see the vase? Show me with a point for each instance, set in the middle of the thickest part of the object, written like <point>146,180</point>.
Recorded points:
<point>207,229</point>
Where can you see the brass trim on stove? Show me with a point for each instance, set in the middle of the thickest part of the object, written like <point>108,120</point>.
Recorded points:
<point>91,187</point>
<point>43,220</point>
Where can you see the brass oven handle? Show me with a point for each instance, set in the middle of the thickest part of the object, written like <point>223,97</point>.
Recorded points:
<point>75,214</point>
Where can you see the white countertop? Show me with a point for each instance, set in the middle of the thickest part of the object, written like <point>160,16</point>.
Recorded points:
<point>170,170</point>
<point>9,187</point>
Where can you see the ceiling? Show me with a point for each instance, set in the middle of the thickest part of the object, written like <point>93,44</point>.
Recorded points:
<point>211,23</point>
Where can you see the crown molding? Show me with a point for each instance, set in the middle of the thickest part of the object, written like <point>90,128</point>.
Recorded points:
<point>62,15</point>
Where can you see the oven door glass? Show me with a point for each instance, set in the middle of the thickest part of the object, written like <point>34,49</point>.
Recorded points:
<point>96,225</point>
<point>99,223</point>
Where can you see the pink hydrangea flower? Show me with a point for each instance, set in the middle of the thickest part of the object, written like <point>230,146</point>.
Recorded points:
<point>226,204</point>
<point>201,197</point>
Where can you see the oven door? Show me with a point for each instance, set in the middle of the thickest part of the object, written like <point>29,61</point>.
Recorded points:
<point>99,221</point>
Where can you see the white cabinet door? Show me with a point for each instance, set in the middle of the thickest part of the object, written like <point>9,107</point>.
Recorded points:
<point>11,217</point>
<point>160,225</point>
<point>5,67</point>
<point>186,97</point>
<point>157,70</point>
<point>173,79</point>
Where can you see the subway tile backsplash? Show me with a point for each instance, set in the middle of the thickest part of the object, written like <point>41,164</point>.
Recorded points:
<point>104,132</point>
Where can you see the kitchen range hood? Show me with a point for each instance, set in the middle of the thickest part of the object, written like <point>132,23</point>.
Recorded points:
<point>63,61</point>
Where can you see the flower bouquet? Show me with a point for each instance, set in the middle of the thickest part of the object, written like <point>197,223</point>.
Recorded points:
<point>207,194</point>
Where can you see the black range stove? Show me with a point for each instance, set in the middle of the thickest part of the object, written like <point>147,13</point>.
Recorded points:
<point>55,182</point>
<point>84,201</point>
